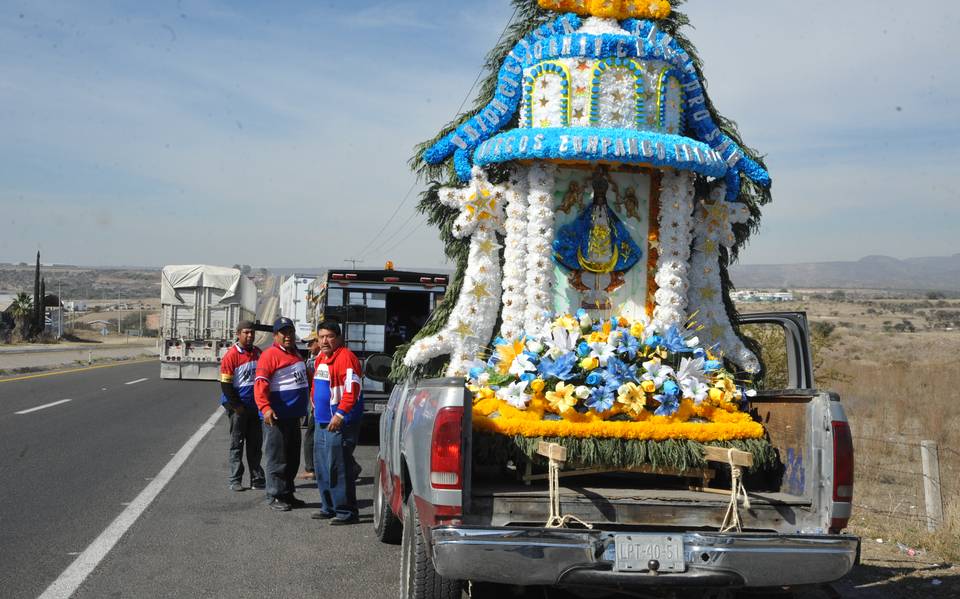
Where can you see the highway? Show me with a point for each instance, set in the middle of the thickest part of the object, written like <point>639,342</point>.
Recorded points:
<point>78,447</point>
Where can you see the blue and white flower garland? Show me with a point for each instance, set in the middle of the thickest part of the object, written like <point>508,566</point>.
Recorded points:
<point>514,307</point>
<point>676,226</point>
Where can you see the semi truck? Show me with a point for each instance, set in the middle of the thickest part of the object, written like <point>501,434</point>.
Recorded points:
<point>201,306</point>
<point>468,523</point>
<point>378,310</point>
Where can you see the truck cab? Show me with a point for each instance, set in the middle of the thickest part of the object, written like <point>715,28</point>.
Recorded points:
<point>378,310</point>
<point>462,519</point>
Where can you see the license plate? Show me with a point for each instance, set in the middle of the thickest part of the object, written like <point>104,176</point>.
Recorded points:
<point>379,407</point>
<point>634,552</point>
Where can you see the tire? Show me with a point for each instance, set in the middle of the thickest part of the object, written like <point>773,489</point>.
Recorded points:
<point>387,526</point>
<point>418,579</point>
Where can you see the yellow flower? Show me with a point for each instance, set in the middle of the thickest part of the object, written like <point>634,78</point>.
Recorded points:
<point>637,329</point>
<point>567,322</point>
<point>648,386</point>
<point>589,363</point>
<point>716,395</point>
<point>563,398</point>
<point>537,385</point>
<point>508,353</point>
<point>632,397</point>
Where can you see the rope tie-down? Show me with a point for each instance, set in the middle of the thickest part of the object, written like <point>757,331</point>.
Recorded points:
<point>556,454</point>
<point>737,460</point>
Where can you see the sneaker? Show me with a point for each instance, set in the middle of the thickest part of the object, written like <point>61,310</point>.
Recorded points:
<point>344,521</point>
<point>308,475</point>
<point>359,470</point>
<point>237,487</point>
<point>322,515</point>
<point>294,502</point>
<point>258,486</point>
<point>279,505</point>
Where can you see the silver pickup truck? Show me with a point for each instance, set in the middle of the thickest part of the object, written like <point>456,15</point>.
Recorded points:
<point>461,522</point>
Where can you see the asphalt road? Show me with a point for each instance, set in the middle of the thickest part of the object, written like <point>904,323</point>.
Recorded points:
<point>68,471</point>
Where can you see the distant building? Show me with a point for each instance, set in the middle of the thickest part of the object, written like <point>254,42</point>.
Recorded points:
<point>756,295</point>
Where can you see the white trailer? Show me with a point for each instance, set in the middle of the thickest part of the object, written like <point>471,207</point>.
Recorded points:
<point>200,308</point>
<point>293,302</point>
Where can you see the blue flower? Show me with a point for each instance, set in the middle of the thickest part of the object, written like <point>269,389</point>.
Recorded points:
<point>669,405</point>
<point>527,376</point>
<point>670,388</point>
<point>674,341</point>
<point>699,352</point>
<point>475,372</point>
<point>561,368</point>
<point>712,365</point>
<point>583,349</point>
<point>594,378</point>
<point>617,373</point>
<point>653,341</point>
<point>534,356</point>
<point>581,313</point>
<point>601,399</point>
<point>629,346</point>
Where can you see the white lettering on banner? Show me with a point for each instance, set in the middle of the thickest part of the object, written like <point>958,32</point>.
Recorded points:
<point>605,146</point>
<point>567,45</point>
<point>522,146</point>
<point>563,143</point>
<point>538,142</point>
<point>458,141</point>
<point>592,143</point>
<point>577,144</point>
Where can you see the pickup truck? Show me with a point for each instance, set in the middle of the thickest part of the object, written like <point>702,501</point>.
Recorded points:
<point>461,523</point>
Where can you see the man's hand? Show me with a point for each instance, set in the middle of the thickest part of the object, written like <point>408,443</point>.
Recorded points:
<point>335,423</point>
<point>269,418</point>
<point>239,409</point>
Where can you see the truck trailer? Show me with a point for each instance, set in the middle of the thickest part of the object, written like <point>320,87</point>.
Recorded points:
<point>201,306</point>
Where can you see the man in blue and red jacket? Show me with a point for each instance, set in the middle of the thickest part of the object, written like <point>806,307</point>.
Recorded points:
<point>338,409</point>
<point>237,371</point>
<point>281,391</point>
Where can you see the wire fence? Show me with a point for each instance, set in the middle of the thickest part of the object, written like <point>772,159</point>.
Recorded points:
<point>890,478</point>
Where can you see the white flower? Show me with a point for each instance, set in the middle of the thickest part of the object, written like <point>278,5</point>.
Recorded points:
<point>694,389</point>
<point>602,351</point>
<point>582,392</point>
<point>515,394</point>
<point>562,341</point>
<point>483,379</point>
<point>657,372</point>
<point>521,364</point>
<point>535,346</point>
<point>691,369</point>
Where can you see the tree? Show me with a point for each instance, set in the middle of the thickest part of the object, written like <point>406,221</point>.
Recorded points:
<point>22,311</point>
<point>37,320</point>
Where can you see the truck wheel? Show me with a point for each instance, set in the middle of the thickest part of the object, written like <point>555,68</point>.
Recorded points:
<point>385,523</point>
<point>418,579</point>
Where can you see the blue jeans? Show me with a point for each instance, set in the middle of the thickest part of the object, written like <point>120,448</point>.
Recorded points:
<point>334,467</point>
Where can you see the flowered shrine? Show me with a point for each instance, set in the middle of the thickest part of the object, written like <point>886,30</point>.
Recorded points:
<point>598,196</point>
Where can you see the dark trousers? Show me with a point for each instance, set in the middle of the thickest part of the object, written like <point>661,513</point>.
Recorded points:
<point>335,469</point>
<point>308,442</point>
<point>245,431</point>
<point>281,445</point>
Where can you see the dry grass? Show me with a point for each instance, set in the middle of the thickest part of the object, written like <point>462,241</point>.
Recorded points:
<point>898,389</point>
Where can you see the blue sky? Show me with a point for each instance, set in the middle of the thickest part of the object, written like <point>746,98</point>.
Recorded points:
<point>278,134</point>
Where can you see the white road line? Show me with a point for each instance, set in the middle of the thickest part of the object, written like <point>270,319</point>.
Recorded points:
<point>71,578</point>
<point>44,406</point>
<point>136,381</point>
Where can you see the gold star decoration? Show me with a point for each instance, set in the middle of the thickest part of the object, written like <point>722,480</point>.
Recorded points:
<point>544,83</point>
<point>544,122</point>
<point>654,244</point>
<point>486,246</point>
<point>481,205</point>
<point>710,247</point>
<point>544,101</point>
<point>463,329</point>
<point>479,291</point>
<point>617,95</point>
<point>708,293</point>
<point>578,113</point>
<point>582,65</point>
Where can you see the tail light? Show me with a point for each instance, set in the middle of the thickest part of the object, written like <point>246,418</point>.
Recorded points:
<point>446,468</point>
<point>842,469</point>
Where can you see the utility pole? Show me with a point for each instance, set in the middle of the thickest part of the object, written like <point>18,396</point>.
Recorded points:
<point>353,261</point>
<point>60,311</point>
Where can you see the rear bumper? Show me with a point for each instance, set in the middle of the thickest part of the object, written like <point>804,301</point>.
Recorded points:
<point>565,557</point>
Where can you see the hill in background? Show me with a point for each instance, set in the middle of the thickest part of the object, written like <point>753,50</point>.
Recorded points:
<point>871,272</point>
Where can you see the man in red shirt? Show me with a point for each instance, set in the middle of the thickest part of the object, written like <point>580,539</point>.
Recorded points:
<point>237,371</point>
<point>338,410</point>
<point>281,391</point>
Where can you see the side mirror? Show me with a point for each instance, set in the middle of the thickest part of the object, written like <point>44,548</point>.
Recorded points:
<point>377,367</point>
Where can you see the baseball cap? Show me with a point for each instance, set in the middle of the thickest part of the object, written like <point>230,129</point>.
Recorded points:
<point>282,323</point>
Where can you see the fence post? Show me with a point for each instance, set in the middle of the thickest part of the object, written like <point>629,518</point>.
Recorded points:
<point>931,484</point>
